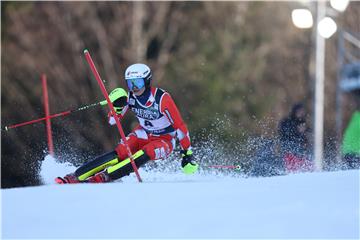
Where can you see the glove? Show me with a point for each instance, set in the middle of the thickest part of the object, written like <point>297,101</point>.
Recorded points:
<point>118,97</point>
<point>189,166</point>
<point>112,120</point>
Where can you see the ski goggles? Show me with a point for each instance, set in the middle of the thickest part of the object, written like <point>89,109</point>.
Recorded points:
<point>135,83</point>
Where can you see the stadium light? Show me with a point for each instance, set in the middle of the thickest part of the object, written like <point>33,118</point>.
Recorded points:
<point>327,27</point>
<point>339,5</point>
<point>302,18</point>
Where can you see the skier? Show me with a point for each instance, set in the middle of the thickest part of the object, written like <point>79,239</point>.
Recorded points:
<point>160,123</point>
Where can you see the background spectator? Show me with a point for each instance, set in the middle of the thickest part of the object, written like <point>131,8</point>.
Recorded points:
<point>294,141</point>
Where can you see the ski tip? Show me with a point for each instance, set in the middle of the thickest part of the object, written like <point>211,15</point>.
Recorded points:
<point>86,51</point>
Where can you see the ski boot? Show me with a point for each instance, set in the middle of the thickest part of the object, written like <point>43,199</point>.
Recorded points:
<point>68,179</point>
<point>101,177</point>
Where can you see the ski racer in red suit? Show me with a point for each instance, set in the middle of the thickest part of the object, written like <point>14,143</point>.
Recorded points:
<point>160,124</point>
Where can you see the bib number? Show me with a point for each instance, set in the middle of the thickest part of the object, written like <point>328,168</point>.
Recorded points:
<point>148,123</point>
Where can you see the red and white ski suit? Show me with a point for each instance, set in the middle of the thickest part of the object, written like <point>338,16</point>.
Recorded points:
<point>160,123</point>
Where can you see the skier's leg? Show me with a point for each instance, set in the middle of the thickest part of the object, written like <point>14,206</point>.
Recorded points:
<point>96,165</point>
<point>125,167</point>
<point>90,168</point>
<point>158,149</point>
<point>121,152</point>
<point>134,144</point>
<point>153,150</point>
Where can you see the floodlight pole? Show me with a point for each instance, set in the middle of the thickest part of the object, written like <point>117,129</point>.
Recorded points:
<point>319,91</point>
<point>339,97</point>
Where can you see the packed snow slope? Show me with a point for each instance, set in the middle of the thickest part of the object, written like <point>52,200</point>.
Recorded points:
<point>308,205</point>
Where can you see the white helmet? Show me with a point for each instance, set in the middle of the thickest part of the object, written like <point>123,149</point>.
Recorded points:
<point>137,76</point>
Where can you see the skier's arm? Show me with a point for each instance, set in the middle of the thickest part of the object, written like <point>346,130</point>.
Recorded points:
<point>111,118</point>
<point>169,109</point>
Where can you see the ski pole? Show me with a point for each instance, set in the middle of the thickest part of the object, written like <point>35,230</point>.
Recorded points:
<point>103,89</point>
<point>6,128</point>
<point>235,167</point>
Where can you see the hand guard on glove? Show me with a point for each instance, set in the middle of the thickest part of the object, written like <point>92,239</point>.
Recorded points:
<point>112,120</point>
<point>188,164</point>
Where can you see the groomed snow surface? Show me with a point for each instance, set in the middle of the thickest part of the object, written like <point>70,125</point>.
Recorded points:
<point>308,205</point>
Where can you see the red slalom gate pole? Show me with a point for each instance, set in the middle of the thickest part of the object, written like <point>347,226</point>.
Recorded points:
<point>103,89</point>
<point>47,114</point>
<point>6,128</point>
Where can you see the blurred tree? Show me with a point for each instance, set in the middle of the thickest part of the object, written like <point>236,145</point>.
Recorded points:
<point>232,67</point>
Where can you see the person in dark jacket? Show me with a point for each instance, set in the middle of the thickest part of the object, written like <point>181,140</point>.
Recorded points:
<point>293,140</point>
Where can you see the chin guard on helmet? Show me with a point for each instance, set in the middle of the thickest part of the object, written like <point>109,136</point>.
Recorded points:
<point>118,97</point>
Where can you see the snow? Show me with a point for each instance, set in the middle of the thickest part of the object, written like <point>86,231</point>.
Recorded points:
<point>173,205</point>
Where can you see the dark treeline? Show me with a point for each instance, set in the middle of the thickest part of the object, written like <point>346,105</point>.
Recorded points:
<point>240,64</point>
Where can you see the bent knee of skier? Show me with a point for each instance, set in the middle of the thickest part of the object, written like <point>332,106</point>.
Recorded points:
<point>156,150</point>
<point>122,150</point>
